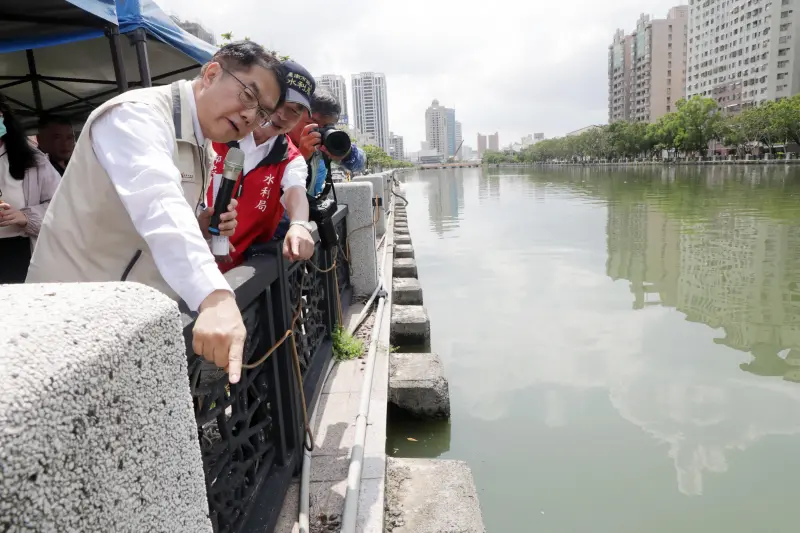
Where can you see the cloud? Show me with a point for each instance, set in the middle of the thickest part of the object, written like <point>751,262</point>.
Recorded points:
<point>509,66</point>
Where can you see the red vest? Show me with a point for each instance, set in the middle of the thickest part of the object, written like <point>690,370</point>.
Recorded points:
<point>260,209</point>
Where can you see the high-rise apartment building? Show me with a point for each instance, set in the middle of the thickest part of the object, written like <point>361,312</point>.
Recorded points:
<point>481,144</point>
<point>647,69</point>
<point>336,85</point>
<point>619,77</point>
<point>459,137</point>
<point>451,130</point>
<point>396,147</point>
<point>741,52</point>
<point>494,142</point>
<point>436,128</point>
<point>370,106</point>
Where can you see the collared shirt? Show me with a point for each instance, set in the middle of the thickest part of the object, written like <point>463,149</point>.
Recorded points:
<point>135,147</point>
<point>296,171</point>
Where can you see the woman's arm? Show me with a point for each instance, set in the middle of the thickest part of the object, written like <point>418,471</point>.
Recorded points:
<point>48,178</point>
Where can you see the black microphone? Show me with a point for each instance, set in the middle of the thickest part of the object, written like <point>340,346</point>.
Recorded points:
<point>232,167</point>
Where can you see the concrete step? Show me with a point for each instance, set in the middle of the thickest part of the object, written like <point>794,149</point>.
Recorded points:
<point>410,325</point>
<point>417,385</point>
<point>404,268</point>
<point>404,251</point>
<point>402,238</point>
<point>431,496</point>
<point>406,291</point>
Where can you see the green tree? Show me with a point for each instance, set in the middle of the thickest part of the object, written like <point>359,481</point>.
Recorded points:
<point>376,156</point>
<point>698,122</point>
<point>787,118</point>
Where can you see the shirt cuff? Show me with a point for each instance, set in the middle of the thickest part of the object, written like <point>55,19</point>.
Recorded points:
<point>204,281</point>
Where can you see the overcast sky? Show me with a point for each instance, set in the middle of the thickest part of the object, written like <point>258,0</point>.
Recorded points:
<point>515,67</point>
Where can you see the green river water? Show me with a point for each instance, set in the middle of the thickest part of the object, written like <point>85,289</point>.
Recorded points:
<point>622,345</point>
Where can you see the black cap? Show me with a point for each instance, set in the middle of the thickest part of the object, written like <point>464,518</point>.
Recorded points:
<point>300,84</point>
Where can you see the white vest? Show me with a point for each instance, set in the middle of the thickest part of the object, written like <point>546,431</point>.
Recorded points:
<point>87,235</point>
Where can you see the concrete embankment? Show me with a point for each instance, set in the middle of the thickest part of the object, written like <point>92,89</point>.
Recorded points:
<point>422,495</point>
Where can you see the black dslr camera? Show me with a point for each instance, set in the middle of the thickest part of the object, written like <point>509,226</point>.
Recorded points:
<point>337,142</point>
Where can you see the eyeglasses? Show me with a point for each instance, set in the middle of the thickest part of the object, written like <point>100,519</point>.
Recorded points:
<point>250,100</point>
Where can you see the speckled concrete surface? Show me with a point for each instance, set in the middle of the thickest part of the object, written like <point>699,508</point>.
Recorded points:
<point>97,431</point>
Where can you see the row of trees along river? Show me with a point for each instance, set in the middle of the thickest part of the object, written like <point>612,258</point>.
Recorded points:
<point>691,129</point>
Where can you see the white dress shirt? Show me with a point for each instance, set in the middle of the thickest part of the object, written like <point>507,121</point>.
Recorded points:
<point>295,173</point>
<point>135,146</point>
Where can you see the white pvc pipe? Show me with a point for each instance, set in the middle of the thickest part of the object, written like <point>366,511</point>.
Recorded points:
<point>350,513</point>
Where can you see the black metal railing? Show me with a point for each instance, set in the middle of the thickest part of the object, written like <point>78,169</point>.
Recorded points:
<point>251,433</point>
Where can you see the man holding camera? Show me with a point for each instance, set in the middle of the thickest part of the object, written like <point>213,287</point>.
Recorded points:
<point>325,112</point>
<point>273,178</point>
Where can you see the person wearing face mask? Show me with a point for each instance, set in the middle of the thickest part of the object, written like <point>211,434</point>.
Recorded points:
<point>27,183</point>
<point>273,178</point>
<point>126,208</point>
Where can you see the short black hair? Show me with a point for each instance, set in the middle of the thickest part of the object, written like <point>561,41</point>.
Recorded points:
<point>53,119</point>
<point>324,103</point>
<point>243,55</point>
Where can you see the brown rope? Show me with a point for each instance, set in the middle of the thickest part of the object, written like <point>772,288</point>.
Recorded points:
<point>295,356</point>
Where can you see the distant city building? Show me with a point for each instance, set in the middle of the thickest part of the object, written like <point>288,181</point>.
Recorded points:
<point>743,52</point>
<point>337,86</point>
<point>430,157</point>
<point>370,106</point>
<point>450,115</point>
<point>196,29</point>
<point>583,130</point>
<point>459,138</point>
<point>467,153</point>
<point>538,137</point>
<point>436,133</point>
<point>396,147</point>
<point>647,69</point>
<point>494,142</point>
<point>481,144</point>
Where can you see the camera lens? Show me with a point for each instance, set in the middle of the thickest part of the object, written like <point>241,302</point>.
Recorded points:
<point>336,141</point>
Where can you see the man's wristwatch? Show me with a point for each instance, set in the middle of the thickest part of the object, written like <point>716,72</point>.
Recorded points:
<point>303,223</point>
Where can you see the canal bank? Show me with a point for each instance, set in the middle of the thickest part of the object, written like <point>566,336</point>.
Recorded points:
<point>719,161</point>
<point>618,341</point>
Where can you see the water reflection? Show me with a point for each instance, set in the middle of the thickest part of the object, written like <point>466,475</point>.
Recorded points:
<point>734,267</point>
<point>631,335</point>
<point>706,247</point>
<point>445,201</point>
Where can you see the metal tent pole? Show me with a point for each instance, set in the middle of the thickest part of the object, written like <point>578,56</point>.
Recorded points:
<point>139,39</point>
<point>116,57</point>
<point>37,92</point>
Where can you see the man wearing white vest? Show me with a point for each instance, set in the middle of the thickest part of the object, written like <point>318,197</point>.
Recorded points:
<point>126,208</point>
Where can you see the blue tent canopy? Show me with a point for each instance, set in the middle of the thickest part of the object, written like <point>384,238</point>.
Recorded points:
<point>29,24</point>
<point>70,57</point>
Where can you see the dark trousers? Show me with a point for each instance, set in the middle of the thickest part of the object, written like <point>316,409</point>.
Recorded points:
<point>15,256</point>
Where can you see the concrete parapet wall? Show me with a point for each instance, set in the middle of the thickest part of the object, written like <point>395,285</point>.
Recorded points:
<point>381,187</point>
<point>97,429</point>
<point>357,196</point>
